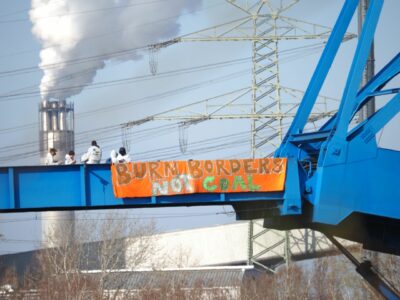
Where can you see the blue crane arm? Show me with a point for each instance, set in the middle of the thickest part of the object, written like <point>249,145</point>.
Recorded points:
<point>319,76</point>
<point>357,67</point>
<point>350,183</point>
<point>347,172</point>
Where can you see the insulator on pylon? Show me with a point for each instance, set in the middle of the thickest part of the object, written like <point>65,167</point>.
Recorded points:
<point>183,137</point>
<point>125,134</point>
<point>153,59</point>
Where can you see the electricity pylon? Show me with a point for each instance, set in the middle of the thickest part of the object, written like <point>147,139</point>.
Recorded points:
<point>264,26</point>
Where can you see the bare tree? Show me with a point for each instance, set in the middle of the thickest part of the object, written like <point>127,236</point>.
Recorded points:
<point>8,281</point>
<point>181,257</point>
<point>83,267</point>
<point>335,277</point>
<point>325,285</point>
<point>389,267</point>
<point>286,283</point>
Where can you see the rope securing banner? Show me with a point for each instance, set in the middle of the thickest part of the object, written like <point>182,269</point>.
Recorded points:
<point>162,178</point>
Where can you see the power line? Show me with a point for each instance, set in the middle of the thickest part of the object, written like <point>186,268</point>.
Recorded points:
<point>133,79</point>
<point>185,89</point>
<point>98,131</point>
<point>130,27</point>
<point>124,50</point>
<point>113,137</point>
<point>123,218</point>
<point>151,154</point>
<point>81,137</point>
<point>238,140</point>
<point>140,78</point>
<point>114,54</point>
<point>147,2</point>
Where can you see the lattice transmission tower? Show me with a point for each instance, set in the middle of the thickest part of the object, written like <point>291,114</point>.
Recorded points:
<point>264,26</point>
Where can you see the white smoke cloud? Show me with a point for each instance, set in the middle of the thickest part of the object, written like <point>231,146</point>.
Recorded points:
<point>79,36</point>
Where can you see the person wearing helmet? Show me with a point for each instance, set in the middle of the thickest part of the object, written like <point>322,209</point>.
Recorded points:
<point>120,157</point>
<point>93,155</point>
<point>51,157</point>
<point>70,158</point>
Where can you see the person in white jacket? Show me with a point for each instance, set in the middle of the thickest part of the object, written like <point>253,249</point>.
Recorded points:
<point>93,155</point>
<point>120,157</point>
<point>51,157</point>
<point>70,158</point>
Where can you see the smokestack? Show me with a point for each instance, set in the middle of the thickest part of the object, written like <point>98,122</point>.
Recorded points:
<point>62,115</point>
<point>44,116</point>
<point>54,116</point>
<point>56,130</point>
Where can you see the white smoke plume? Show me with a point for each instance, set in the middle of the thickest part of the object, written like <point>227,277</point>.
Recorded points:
<point>79,36</point>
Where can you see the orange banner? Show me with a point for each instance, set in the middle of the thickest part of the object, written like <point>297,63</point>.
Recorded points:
<point>145,179</point>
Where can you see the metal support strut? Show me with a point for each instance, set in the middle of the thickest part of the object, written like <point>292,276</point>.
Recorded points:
<point>365,269</point>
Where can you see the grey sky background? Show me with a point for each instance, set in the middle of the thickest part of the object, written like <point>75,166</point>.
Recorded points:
<point>123,103</point>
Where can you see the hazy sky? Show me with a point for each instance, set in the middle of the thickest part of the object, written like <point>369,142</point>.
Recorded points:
<point>100,106</point>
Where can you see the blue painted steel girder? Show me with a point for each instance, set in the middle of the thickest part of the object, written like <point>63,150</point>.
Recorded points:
<point>90,187</point>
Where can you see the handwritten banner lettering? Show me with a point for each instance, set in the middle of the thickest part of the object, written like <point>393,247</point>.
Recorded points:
<point>145,179</point>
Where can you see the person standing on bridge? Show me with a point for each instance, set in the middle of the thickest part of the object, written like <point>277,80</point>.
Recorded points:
<point>120,157</point>
<point>51,157</point>
<point>70,158</point>
<point>93,155</point>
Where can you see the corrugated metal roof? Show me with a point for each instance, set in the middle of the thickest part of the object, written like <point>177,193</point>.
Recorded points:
<point>182,278</point>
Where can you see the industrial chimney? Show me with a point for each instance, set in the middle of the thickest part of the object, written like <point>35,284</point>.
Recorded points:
<point>56,130</point>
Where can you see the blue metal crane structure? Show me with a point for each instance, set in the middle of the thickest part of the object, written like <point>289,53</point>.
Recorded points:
<point>338,180</point>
